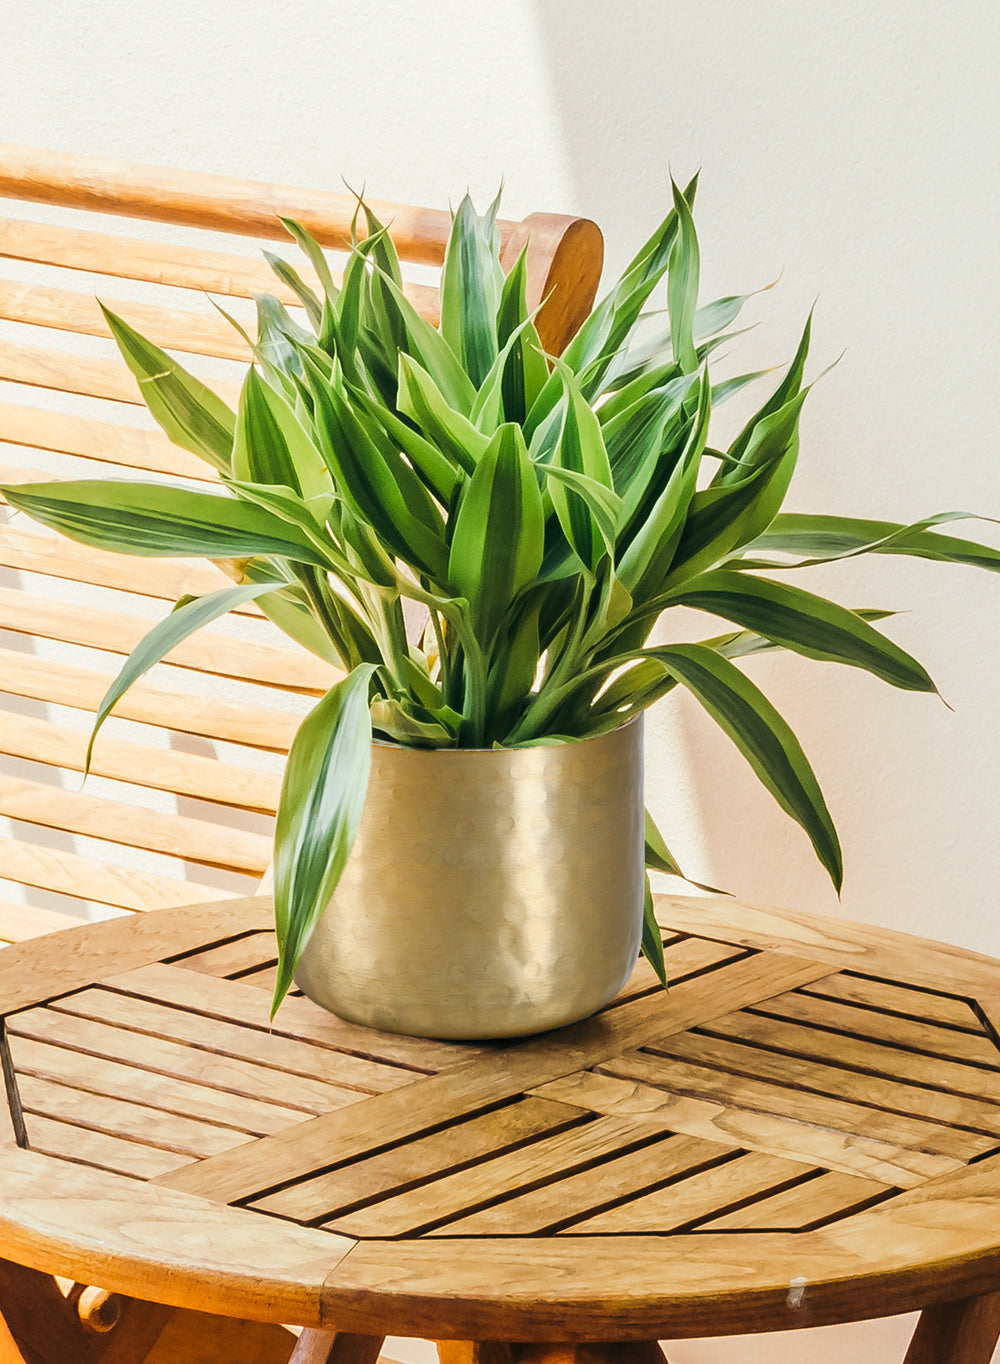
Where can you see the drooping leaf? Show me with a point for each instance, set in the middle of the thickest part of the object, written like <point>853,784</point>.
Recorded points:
<point>746,446</point>
<point>291,278</point>
<point>825,538</point>
<point>652,937</point>
<point>804,623</point>
<point>156,519</point>
<point>588,513</point>
<point>322,797</point>
<point>189,412</point>
<point>311,248</point>
<point>412,725</point>
<point>730,513</point>
<point>658,855</point>
<point>762,736</point>
<point>183,621</point>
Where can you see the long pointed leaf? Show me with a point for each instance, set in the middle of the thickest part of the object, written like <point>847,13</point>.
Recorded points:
<point>189,412</point>
<point>153,519</point>
<point>498,538</point>
<point>652,937</point>
<point>322,797</point>
<point>803,622</point>
<point>471,285</point>
<point>182,622</point>
<point>763,737</point>
<point>826,538</point>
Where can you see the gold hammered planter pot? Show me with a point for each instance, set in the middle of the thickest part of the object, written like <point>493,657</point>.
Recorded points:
<point>490,893</point>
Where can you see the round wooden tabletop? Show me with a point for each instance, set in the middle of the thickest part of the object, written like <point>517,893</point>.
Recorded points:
<point>806,1129</point>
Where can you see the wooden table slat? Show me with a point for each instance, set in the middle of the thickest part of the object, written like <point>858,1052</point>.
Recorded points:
<point>771,1097</point>
<point>298,1019</point>
<point>830,1195</point>
<point>419,1161</point>
<point>878,1058</point>
<point>245,1079</point>
<point>827,1077</point>
<point>82,1145</point>
<point>231,1040</point>
<point>570,1199</point>
<point>695,1200</point>
<point>729,1122</point>
<point>120,1081</point>
<point>125,1118</point>
<point>546,1160</point>
<point>891,998</point>
<point>857,1020</point>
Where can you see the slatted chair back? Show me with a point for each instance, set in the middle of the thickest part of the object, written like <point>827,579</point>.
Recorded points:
<point>185,782</point>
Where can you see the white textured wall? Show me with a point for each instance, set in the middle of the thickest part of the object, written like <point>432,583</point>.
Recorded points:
<point>853,148</point>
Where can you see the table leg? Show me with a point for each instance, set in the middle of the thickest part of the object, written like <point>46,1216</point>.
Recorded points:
<point>47,1329</point>
<point>335,1347</point>
<point>963,1332</point>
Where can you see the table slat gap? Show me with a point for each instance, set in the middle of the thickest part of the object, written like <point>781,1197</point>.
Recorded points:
<point>130,1120</point>
<point>15,1112</point>
<point>176,958</point>
<point>962,1019</point>
<point>770,1099</point>
<point>685,1158</point>
<point>735,1028</point>
<point>807,1076</point>
<point>850,1019</point>
<point>320,1197</point>
<point>501,1179</point>
<point>93,1004</point>
<point>240,1076</point>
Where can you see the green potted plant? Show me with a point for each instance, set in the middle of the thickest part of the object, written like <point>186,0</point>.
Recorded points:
<point>541,513</point>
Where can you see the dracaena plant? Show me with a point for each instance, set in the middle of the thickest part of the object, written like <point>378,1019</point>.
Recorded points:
<point>542,511</point>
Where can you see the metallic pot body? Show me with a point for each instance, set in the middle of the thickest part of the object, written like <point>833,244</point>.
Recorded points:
<point>490,893</point>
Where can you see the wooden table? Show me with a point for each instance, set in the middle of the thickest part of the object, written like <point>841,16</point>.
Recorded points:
<point>805,1130</point>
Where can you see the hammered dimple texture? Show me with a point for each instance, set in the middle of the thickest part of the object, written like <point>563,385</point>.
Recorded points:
<point>489,894</point>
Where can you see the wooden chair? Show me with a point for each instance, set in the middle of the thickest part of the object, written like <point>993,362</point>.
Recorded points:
<point>185,781</point>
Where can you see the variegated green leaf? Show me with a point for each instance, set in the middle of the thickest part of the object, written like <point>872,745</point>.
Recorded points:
<point>189,412</point>
<point>159,520</point>
<point>498,537</point>
<point>471,285</point>
<point>802,622</point>
<point>187,617</point>
<point>322,796</point>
